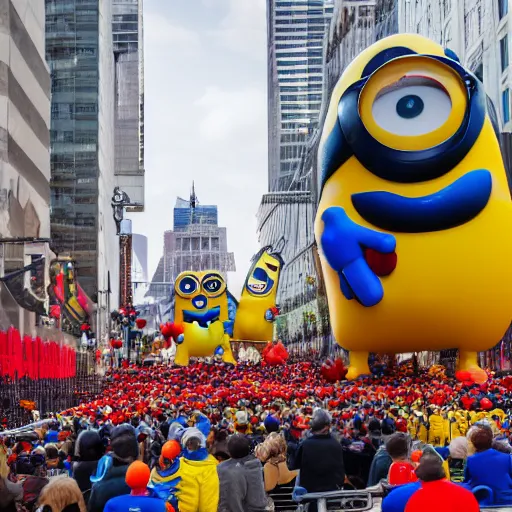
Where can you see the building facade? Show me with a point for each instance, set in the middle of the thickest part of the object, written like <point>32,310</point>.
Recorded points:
<point>304,323</point>
<point>80,54</point>
<point>127,24</point>
<point>479,32</point>
<point>196,242</point>
<point>296,32</point>
<point>24,159</point>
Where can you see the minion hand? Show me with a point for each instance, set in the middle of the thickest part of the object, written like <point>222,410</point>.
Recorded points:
<point>343,243</point>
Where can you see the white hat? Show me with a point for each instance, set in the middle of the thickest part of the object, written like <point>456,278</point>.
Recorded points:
<point>242,417</point>
<point>193,433</point>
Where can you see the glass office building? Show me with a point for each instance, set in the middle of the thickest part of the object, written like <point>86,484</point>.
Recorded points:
<point>127,33</point>
<point>79,51</point>
<point>296,32</point>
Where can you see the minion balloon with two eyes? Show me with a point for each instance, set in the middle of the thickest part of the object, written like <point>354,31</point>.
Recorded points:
<point>201,305</point>
<point>415,214</point>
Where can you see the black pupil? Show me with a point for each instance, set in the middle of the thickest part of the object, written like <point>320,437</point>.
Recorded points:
<point>410,106</point>
<point>213,286</point>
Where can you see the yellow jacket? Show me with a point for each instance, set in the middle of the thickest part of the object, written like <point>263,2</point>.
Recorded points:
<point>436,433</point>
<point>198,490</point>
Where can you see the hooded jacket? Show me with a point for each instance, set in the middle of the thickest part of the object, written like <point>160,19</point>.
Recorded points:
<point>241,485</point>
<point>198,490</point>
<point>88,450</point>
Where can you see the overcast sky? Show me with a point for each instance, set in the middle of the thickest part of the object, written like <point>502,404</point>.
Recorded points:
<point>205,117</point>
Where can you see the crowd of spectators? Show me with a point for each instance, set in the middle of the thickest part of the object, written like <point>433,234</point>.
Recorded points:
<point>151,443</point>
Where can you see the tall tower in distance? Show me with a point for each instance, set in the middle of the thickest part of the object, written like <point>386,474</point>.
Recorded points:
<point>196,242</point>
<point>296,32</point>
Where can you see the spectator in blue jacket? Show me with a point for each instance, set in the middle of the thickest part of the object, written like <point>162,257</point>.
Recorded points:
<point>488,467</point>
<point>140,498</point>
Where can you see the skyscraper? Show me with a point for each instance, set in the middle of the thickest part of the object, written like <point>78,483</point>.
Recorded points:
<point>127,23</point>
<point>196,243</point>
<point>24,159</point>
<point>80,55</point>
<point>296,32</point>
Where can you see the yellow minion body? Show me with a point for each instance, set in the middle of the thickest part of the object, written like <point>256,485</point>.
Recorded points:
<point>201,305</point>
<point>452,284</point>
<point>258,296</point>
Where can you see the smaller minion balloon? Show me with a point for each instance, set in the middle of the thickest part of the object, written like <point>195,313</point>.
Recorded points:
<point>201,305</point>
<point>415,208</point>
<point>257,307</point>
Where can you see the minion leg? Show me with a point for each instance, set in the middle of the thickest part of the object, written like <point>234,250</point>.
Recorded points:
<point>467,360</point>
<point>182,357</point>
<point>358,365</point>
<point>227,357</point>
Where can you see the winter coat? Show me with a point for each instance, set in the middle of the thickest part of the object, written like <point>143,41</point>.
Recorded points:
<point>9,494</point>
<point>320,461</point>
<point>490,468</point>
<point>138,503</point>
<point>380,467</point>
<point>112,485</point>
<point>442,496</point>
<point>198,490</point>
<point>397,499</point>
<point>241,485</point>
<point>82,472</point>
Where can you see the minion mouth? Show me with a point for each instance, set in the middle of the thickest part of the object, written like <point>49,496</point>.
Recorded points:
<point>448,208</point>
<point>202,319</point>
<point>257,287</point>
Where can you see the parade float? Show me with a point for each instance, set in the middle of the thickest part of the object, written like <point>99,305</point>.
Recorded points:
<point>414,201</point>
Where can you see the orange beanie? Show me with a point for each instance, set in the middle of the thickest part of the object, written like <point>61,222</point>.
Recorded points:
<point>171,450</point>
<point>138,474</point>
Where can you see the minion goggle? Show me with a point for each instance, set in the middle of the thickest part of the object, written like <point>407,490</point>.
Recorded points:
<point>409,119</point>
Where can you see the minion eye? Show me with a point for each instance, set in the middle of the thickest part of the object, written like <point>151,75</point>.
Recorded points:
<point>414,105</point>
<point>188,285</point>
<point>213,285</point>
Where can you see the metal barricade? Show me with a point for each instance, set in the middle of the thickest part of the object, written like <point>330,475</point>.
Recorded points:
<point>340,501</point>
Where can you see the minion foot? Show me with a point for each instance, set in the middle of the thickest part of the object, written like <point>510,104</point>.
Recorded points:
<point>468,361</point>
<point>181,358</point>
<point>358,365</point>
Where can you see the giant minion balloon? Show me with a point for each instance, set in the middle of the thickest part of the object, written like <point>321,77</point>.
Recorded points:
<point>257,306</point>
<point>415,213</point>
<point>201,304</point>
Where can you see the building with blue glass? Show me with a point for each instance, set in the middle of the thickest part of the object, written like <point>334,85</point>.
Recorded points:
<point>79,52</point>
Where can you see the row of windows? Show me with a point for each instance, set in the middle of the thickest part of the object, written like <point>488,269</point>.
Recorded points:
<point>314,36</point>
<point>125,17</point>
<point>301,97</point>
<point>79,137</point>
<point>126,38</point>
<point>287,115</point>
<point>299,71</point>
<point>310,86</point>
<point>309,53</point>
<point>300,106</point>
<point>125,27</point>
<point>314,45</point>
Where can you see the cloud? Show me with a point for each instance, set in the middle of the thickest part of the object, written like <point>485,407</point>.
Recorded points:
<point>164,33</point>
<point>227,113</point>
<point>243,29</point>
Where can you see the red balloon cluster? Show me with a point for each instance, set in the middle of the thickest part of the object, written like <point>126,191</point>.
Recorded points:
<point>274,355</point>
<point>333,371</point>
<point>141,323</point>
<point>116,343</point>
<point>171,330</point>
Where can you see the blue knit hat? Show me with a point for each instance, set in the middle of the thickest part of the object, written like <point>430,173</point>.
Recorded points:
<point>271,424</point>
